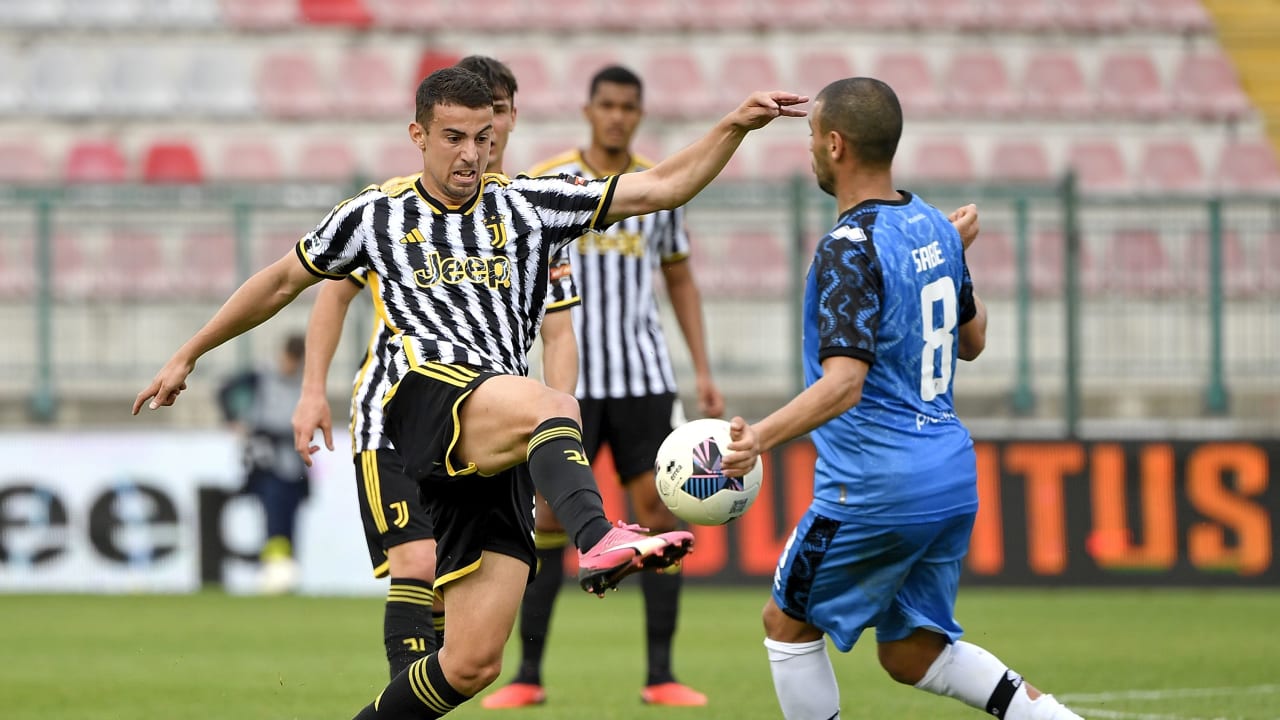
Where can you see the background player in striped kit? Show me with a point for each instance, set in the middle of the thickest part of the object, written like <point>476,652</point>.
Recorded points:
<point>889,306</point>
<point>462,259</point>
<point>626,385</point>
<point>397,526</point>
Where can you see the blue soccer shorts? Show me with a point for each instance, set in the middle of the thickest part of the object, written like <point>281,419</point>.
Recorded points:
<point>844,577</point>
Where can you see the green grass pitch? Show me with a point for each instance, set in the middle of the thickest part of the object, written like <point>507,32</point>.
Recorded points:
<point>1121,654</point>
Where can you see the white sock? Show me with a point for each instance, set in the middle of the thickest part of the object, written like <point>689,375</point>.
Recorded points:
<point>977,678</point>
<point>804,680</point>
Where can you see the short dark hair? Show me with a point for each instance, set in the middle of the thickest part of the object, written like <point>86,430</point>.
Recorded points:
<point>295,346</point>
<point>451,86</point>
<point>500,78</point>
<point>866,113</point>
<point>617,75</point>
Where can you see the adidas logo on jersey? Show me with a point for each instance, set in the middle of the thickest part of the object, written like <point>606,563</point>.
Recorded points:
<point>495,272</point>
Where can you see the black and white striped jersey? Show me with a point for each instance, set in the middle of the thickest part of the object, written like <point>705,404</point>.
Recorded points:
<point>459,285</point>
<point>621,348</point>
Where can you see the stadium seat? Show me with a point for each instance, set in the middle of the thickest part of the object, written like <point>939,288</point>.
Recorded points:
<point>756,265</point>
<point>95,161</point>
<point>538,94</point>
<point>290,86</point>
<point>76,266</point>
<point>139,82</point>
<point>23,161</point>
<point>1179,16</point>
<point>992,263</point>
<point>1096,16</point>
<point>579,69</point>
<point>1053,86</point>
<point>218,82</point>
<point>1205,85</point>
<point>350,13</point>
<point>1099,166</point>
<point>181,13</point>
<point>950,14</point>
<point>792,15</point>
<point>103,13</point>
<point>813,69</point>
<point>1138,263</point>
<point>742,72</point>
<point>260,14</point>
<point>17,257</point>
<point>784,159</point>
<point>134,266</point>
<point>1238,274</point>
<point>1247,166</point>
<point>407,14</point>
<point>326,159</point>
<point>492,15</point>
<point>717,15</point>
<point>565,15</point>
<point>976,83</point>
<point>650,15</point>
<point>63,80</point>
<point>1170,166</point>
<point>1048,272</point>
<point>431,60</point>
<point>1129,86</point>
<point>249,161</point>
<point>908,73</point>
<point>171,162</point>
<point>1021,15</point>
<point>1019,160</point>
<point>370,85</point>
<point>871,14</point>
<point>677,86</point>
<point>943,160</point>
<point>207,260</point>
<point>270,244</point>
<point>395,158</point>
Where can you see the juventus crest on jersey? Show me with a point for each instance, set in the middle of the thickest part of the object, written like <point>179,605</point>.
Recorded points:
<point>466,284</point>
<point>621,348</point>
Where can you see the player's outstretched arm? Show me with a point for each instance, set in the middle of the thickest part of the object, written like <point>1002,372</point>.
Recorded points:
<point>686,301</point>
<point>324,331</point>
<point>677,179</point>
<point>259,298</point>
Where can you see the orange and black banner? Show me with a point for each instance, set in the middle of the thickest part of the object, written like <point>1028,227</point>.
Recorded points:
<point>1055,513</point>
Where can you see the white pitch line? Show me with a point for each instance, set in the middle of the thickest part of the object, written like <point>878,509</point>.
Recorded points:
<point>1101,714</point>
<point>1168,693</point>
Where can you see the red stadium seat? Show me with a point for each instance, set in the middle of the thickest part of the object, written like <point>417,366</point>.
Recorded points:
<point>271,245</point>
<point>566,15</point>
<point>326,159</point>
<point>1170,166</point>
<point>207,260</point>
<point>992,264</point>
<point>709,15</point>
<point>95,161</point>
<point>784,159</point>
<point>408,14</point>
<point>492,15</point>
<point>538,95</point>
<point>871,14</point>
<point>950,14</point>
<point>335,12</point>
<point>1184,16</point>
<point>1024,160</point>
<point>1137,262</point>
<point>1021,15</point>
<point>1048,272</point>
<point>23,161</point>
<point>260,14</point>
<point>1099,166</point>
<point>1129,86</point>
<point>908,73</point>
<point>976,83</point>
<point>792,15</point>
<point>677,86</point>
<point>650,15</point>
<point>1247,166</point>
<point>290,86</point>
<point>1238,276</point>
<point>1106,16</point>
<point>171,162</point>
<point>1053,86</point>
<point>396,158</point>
<point>1205,85</point>
<point>430,61</point>
<point>579,69</point>
<point>945,160</point>
<point>742,72</point>
<point>370,85</point>
<point>249,161</point>
<point>134,266</point>
<point>814,69</point>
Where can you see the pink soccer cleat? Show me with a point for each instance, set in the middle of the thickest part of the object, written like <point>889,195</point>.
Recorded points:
<point>625,550</point>
<point>515,695</point>
<point>672,694</point>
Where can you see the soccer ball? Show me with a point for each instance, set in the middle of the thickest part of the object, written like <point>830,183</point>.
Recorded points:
<point>689,478</point>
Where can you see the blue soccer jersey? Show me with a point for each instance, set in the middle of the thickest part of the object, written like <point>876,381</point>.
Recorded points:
<point>889,286</point>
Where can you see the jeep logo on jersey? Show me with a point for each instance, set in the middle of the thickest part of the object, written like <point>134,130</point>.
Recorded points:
<point>492,271</point>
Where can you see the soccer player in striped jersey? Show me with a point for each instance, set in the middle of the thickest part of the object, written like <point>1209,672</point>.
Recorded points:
<point>462,260</point>
<point>889,307</point>
<point>397,525</point>
<point>626,385</point>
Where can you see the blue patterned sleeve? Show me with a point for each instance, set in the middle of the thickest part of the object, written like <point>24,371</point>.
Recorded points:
<point>850,291</point>
<point>967,307</point>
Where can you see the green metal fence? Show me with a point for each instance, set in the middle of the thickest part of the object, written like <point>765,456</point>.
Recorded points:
<point>1135,308</point>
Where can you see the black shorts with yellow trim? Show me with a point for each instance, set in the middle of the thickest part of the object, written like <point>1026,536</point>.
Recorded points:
<point>470,513</point>
<point>390,506</point>
<point>632,427</point>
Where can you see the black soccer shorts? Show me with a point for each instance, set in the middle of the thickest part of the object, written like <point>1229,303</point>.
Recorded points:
<point>633,427</point>
<point>390,506</point>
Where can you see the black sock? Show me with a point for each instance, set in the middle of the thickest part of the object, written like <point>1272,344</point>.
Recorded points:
<point>406,627</point>
<point>437,621</point>
<point>418,693</point>
<point>661,605</point>
<point>539,600</point>
<point>560,471</point>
